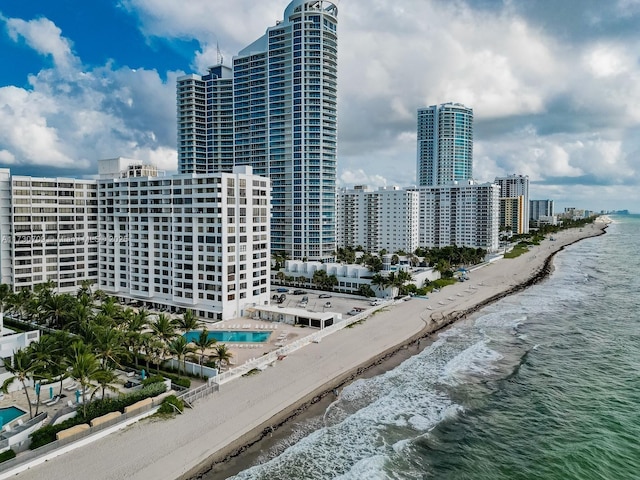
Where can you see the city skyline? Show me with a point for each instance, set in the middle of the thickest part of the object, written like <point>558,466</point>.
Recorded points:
<point>553,92</point>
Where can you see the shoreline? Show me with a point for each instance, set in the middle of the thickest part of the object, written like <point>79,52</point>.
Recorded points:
<point>381,363</point>
<point>226,423</point>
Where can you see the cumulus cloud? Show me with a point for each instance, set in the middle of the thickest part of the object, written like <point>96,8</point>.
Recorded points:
<point>45,38</point>
<point>71,116</point>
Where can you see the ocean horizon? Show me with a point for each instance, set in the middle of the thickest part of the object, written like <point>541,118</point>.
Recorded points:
<point>542,384</point>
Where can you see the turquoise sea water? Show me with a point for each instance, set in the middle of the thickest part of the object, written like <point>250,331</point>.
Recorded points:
<point>230,336</point>
<point>542,385</point>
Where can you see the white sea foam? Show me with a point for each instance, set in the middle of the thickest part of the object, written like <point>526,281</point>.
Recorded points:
<point>475,360</point>
<point>369,468</point>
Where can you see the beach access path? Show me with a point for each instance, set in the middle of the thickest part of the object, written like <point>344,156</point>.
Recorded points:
<point>228,419</point>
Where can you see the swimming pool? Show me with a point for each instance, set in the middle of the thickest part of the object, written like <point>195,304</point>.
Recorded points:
<point>8,414</point>
<point>230,336</point>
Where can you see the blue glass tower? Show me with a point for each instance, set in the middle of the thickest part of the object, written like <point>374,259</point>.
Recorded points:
<point>445,144</point>
<point>276,110</point>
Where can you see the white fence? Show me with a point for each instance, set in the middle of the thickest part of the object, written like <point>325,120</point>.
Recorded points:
<point>265,360</point>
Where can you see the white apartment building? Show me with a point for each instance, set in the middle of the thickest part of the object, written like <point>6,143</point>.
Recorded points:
<point>386,218</point>
<point>514,186</point>
<point>49,231</point>
<point>197,241</point>
<point>463,214</point>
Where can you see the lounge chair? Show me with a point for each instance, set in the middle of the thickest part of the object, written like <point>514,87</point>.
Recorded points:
<point>53,401</point>
<point>72,386</point>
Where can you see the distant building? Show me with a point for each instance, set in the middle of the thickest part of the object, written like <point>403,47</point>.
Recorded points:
<point>445,144</point>
<point>512,216</point>
<point>514,186</point>
<point>350,277</point>
<point>386,218</point>
<point>463,214</point>
<point>540,208</point>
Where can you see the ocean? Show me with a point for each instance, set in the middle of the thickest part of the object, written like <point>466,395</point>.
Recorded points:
<point>544,384</point>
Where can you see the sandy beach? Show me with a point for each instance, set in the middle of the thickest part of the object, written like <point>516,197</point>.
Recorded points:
<point>245,408</point>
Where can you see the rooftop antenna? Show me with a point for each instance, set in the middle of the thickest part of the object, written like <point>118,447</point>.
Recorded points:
<point>219,53</point>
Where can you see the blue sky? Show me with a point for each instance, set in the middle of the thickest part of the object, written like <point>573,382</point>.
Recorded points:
<point>555,85</point>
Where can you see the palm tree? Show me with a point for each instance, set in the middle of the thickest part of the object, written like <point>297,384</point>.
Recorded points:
<point>47,351</point>
<point>5,296</point>
<point>188,322</point>
<point>108,346</point>
<point>202,343</point>
<point>106,378</point>
<point>164,328</point>
<point>84,368</point>
<point>110,308</point>
<point>133,333</point>
<point>79,318</point>
<point>20,302</point>
<point>180,348</point>
<point>156,350</point>
<point>55,308</point>
<point>222,354</point>
<point>23,368</point>
<point>85,289</point>
<point>380,281</point>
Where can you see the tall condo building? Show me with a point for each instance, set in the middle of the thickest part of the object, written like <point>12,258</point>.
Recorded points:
<point>49,231</point>
<point>386,218</point>
<point>463,214</point>
<point>445,144</point>
<point>275,110</point>
<point>514,195</point>
<point>196,241</point>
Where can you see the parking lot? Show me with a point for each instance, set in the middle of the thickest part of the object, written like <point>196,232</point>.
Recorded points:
<point>319,301</point>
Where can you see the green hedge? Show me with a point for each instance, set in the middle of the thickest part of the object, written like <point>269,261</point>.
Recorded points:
<point>95,409</point>
<point>7,455</point>
<point>153,379</point>
<point>167,409</point>
<point>181,381</point>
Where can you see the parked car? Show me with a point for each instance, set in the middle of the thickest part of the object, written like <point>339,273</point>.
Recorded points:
<point>324,295</point>
<point>299,292</point>
<point>282,290</point>
<point>282,298</point>
<point>376,302</point>
<point>353,312</point>
<point>327,305</point>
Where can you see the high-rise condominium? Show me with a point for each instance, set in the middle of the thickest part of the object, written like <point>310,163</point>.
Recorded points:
<point>515,187</point>
<point>274,109</point>
<point>445,144</point>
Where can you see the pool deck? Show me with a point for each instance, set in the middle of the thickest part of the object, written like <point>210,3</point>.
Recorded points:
<point>281,334</point>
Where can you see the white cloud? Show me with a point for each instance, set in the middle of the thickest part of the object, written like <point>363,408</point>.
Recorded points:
<point>71,116</point>
<point>44,37</point>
